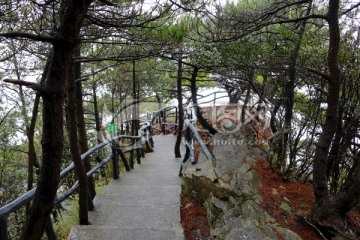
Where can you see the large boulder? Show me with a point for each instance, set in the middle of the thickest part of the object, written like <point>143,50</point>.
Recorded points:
<point>228,188</point>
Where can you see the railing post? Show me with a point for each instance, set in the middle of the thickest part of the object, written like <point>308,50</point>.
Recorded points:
<point>136,143</point>
<point>102,170</point>
<point>138,155</point>
<point>200,141</point>
<point>147,141</point>
<point>140,152</point>
<point>123,158</point>
<point>132,154</point>
<point>3,228</point>
<point>122,128</point>
<point>188,149</point>
<point>159,117</point>
<point>164,121</point>
<point>164,115</point>
<point>150,139</point>
<point>190,141</point>
<point>49,229</point>
<point>176,120</point>
<point>127,128</point>
<point>115,161</point>
<point>91,206</point>
<point>163,128</point>
<point>192,151</point>
<point>190,136</point>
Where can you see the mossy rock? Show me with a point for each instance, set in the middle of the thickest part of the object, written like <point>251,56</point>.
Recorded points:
<point>287,234</point>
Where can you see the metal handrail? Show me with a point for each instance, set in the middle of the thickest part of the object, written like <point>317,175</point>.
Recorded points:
<point>161,113</point>
<point>213,93</point>
<point>161,117</point>
<point>144,137</point>
<point>191,133</point>
<point>144,132</point>
<point>198,138</point>
<point>214,98</point>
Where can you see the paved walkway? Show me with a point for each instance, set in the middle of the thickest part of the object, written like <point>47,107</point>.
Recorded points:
<point>144,204</point>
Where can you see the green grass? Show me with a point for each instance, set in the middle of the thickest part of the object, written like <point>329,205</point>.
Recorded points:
<point>67,219</point>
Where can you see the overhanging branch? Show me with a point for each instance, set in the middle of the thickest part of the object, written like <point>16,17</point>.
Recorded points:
<point>317,72</point>
<point>351,8</point>
<point>36,37</point>
<point>6,115</point>
<point>108,3</point>
<point>32,85</point>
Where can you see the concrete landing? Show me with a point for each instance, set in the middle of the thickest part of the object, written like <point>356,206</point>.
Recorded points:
<point>143,204</point>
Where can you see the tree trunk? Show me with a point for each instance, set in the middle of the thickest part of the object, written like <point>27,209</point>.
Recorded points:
<point>203,122</point>
<point>135,115</point>
<point>75,150</point>
<point>53,103</point>
<point>32,159</point>
<point>80,120</point>
<point>29,123</point>
<point>180,108</point>
<point>289,92</point>
<point>246,101</point>
<point>158,99</point>
<point>260,106</point>
<point>323,145</point>
<point>325,211</point>
<point>31,145</point>
<point>99,134</point>
<point>335,146</point>
<point>138,106</point>
<point>29,126</point>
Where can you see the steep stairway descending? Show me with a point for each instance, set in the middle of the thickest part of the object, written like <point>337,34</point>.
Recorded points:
<point>143,204</point>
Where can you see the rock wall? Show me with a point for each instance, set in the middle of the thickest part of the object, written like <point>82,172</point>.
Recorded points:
<point>228,188</point>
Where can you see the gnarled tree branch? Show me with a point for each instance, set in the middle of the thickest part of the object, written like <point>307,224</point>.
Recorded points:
<point>7,114</point>
<point>36,37</point>
<point>317,72</point>
<point>32,85</point>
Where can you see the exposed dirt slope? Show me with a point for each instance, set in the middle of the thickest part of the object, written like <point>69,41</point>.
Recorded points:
<point>277,196</point>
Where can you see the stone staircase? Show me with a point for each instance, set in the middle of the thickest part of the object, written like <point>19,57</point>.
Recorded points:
<point>143,204</point>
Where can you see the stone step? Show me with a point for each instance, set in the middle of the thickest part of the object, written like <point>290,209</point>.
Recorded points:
<point>133,191</point>
<point>146,180</point>
<point>142,204</point>
<point>140,200</point>
<point>152,170</point>
<point>95,232</point>
<point>148,216</point>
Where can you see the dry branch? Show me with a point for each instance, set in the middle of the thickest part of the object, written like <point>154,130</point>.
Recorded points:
<point>312,225</point>
<point>106,2</point>
<point>317,72</point>
<point>36,37</point>
<point>6,115</point>
<point>32,85</point>
<point>321,90</point>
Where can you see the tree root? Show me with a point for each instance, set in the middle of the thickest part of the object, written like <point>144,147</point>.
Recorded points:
<point>330,229</point>
<point>312,225</point>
